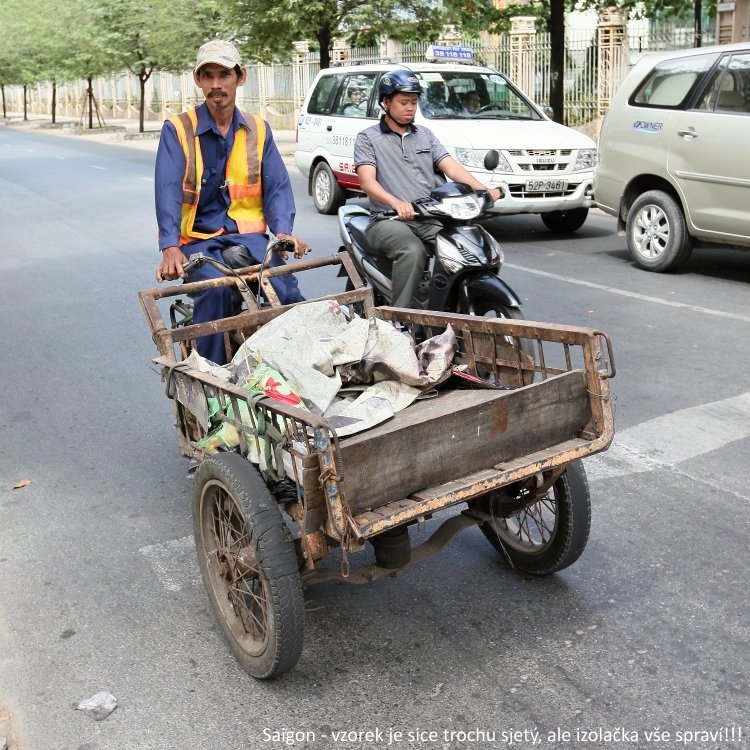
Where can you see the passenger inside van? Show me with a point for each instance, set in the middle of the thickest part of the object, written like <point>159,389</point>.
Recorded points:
<point>434,104</point>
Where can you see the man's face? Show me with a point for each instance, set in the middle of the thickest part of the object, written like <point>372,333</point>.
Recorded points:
<point>401,108</point>
<point>219,86</point>
<point>472,102</point>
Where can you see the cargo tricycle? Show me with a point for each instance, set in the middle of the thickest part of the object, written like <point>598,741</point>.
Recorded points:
<point>505,458</point>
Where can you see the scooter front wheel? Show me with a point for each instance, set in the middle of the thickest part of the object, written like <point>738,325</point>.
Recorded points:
<point>485,307</point>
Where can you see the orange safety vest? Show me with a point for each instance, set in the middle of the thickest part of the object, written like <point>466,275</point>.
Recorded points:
<point>242,176</point>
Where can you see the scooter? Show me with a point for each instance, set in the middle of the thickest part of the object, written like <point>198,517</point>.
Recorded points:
<point>462,275</point>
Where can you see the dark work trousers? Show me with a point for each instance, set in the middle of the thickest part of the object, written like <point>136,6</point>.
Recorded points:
<point>217,303</point>
<point>404,243</point>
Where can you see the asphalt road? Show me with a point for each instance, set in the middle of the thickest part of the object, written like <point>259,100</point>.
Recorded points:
<point>643,643</point>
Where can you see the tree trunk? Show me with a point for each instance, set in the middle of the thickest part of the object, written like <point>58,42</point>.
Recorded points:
<point>90,98</point>
<point>54,102</point>
<point>5,111</point>
<point>698,23</point>
<point>324,40</point>
<point>557,59</point>
<point>143,76</point>
<point>25,105</point>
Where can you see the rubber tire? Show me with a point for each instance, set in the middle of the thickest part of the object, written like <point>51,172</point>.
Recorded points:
<point>328,196</point>
<point>658,206</point>
<point>481,306</point>
<point>570,532</point>
<point>563,222</point>
<point>230,475</point>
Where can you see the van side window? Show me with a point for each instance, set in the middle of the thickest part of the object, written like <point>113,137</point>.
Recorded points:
<point>669,83</point>
<point>729,87</point>
<point>355,94</point>
<point>320,96</point>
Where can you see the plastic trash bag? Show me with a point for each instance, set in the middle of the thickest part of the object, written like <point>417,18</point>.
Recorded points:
<point>98,706</point>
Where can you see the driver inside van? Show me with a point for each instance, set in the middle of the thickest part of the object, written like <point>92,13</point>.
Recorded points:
<point>471,103</point>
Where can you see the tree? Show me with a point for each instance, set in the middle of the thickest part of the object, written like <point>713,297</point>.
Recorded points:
<point>552,13</point>
<point>145,35</point>
<point>270,26</point>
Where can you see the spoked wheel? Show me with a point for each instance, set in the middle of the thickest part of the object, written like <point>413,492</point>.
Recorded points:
<point>544,537</point>
<point>249,565</point>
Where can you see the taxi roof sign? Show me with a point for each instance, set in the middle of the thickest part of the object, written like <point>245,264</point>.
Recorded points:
<point>449,52</point>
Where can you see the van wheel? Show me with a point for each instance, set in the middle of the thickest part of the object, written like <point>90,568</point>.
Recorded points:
<point>657,235</point>
<point>565,221</point>
<point>327,194</point>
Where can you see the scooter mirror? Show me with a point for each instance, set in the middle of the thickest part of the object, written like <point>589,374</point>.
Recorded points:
<point>491,160</point>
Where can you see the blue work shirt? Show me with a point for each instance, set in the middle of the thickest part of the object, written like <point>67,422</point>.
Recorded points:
<point>278,200</point>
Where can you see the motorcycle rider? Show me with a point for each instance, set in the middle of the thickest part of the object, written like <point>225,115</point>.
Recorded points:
<point>396,162</point>
<point>221,182</point>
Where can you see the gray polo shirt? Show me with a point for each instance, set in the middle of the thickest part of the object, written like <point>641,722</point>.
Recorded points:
<point>405,164</point>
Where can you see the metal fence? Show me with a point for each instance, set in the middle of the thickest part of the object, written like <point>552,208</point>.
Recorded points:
<point>276,91</point>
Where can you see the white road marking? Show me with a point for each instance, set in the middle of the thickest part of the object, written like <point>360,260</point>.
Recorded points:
<point>59,157</point>
<point>148,179</point>
<point>174,563</point>
<point>96,166</point>
<point>658,443</point>
<point>634,295</point>
<point>673,438</point>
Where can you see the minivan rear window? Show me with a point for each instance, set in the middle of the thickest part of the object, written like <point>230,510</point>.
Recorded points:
<point>670,82</point>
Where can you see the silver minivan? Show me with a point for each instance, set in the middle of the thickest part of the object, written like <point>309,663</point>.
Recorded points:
<point>674,154</point>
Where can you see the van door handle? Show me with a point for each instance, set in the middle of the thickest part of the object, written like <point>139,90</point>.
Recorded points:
<point>329,128</point>
<point>689,133</point>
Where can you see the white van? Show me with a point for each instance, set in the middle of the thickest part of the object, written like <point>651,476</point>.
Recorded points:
<point>544,168</point>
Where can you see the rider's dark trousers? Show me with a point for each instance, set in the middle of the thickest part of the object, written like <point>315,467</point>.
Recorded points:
<point>404,243</point>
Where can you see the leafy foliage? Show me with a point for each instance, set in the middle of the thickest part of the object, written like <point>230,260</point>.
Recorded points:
<point>268,26</point>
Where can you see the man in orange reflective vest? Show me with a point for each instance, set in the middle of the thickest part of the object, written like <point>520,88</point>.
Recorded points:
<point>220,182</point>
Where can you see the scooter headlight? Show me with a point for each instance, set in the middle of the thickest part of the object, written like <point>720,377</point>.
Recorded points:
<point>465,207</point>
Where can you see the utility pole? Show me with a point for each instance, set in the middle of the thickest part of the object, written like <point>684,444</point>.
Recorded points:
<point>557,59</point>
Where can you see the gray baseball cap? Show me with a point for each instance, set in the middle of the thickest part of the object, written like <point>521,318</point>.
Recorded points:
<point>220,52</point>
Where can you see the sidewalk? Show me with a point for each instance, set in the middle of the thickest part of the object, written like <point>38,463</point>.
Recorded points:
<point>121,132</point>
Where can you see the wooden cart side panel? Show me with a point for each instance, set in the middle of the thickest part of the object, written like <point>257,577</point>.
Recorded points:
<point>458,433</point>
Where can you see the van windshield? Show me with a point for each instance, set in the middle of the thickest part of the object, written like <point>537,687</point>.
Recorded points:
<point>460,95</point>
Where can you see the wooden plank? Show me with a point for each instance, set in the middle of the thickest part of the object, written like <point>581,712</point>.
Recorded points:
<point>459,433</point>
<point>448,488</point>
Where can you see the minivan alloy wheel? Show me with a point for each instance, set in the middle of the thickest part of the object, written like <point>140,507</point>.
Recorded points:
<point>657,235</point>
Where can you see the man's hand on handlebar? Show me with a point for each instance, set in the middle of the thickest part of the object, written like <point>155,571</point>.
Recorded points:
<point>170,268</point>
<point>301,248</point>
<point>404,210</point>
<point>496,194</point>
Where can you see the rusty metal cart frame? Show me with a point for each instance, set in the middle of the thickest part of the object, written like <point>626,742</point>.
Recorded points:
<point>513,456</point>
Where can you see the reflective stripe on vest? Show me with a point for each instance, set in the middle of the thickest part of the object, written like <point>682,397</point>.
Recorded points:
<point>243,176</point>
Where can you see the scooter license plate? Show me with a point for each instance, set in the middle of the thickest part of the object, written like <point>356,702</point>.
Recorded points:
<point>546,186</point>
